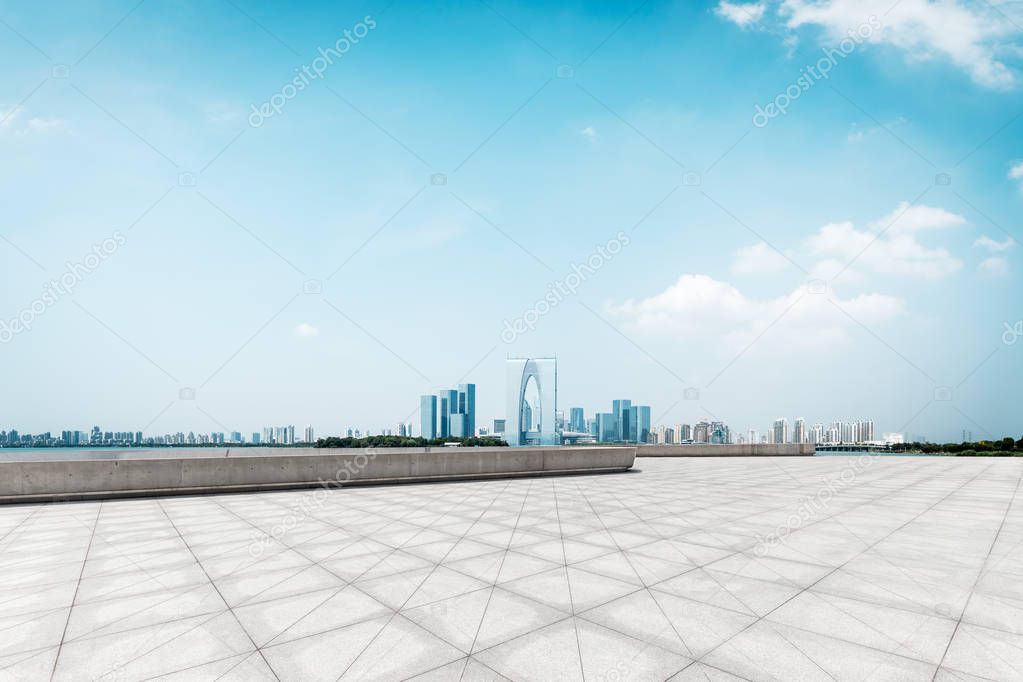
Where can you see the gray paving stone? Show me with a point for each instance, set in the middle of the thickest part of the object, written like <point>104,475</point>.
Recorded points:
<point>909,569</point>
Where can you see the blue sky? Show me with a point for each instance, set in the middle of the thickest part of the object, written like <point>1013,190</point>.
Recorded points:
<point>855,256</point>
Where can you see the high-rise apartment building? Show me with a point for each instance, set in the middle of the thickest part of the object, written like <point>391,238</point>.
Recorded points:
<point>799,430</point>
<point>701,432</point>
<point>818,434</point>
<point>780,431</point>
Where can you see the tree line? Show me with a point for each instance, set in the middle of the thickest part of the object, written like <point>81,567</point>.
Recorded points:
<point>1004,447</point>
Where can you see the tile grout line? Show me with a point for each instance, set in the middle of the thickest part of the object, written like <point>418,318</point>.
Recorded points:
<point>980,575</point>
<point>71,607</point>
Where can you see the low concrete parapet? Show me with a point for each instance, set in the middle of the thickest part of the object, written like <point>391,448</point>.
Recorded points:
<point>255,469</point>
<point>728,450</point>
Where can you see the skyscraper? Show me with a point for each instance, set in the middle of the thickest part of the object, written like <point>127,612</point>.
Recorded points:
<point>701,432</point>
<point>442,415</point>
<point>642,423</point>
<point>541,373</point>
<point>577,420</point>
<point>799,430</point>
<point>781,430</point>
<point>623,419</point>
<point>428,416</point>
<point>467,406</point>
<point>607,427</point>
<point>459,425</point>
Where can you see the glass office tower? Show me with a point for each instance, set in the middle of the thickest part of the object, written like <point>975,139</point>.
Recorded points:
<point>577,420</point>
<point>428,416</point>
<point>622,410</point>
<point>459,425</point>
<point>643,423</point>
<point>442,416</point>
<point>467,406</point>
<point>607,428</point>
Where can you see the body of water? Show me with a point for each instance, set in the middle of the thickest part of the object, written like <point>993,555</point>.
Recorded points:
<point>59,454</point>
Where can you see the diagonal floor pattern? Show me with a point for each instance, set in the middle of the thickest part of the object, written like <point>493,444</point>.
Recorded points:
<point>827,568</point>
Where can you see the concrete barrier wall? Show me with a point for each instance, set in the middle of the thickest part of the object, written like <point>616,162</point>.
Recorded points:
<point>731,450</point>
<point>285,468</point>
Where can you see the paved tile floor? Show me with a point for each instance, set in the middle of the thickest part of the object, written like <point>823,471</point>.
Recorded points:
<point>828,568</point>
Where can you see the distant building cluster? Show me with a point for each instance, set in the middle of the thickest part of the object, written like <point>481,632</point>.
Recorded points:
<point>703,431</point>
<point>13,439</point>
<point>836,433</point>
<point>449,414</point>
<point>271,435</point>
<point>625,423</point>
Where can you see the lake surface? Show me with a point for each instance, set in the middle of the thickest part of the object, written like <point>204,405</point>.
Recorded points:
<point>65,454</point>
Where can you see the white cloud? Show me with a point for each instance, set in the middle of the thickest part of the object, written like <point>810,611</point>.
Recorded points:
<point>986,242</point>
<point>974,36</point>
<point>306,329</point>
<point>995,266</point>
<point>10,119</point>
<point>886,246</point>
<point>759,258</point>
<point>699,307</point>
<point>589,131</point>
<point>741,14</point>
<point>858,133</point>
<point>892,253</point>
<point>220,112</point>
<point>906,218</point>
<point>46,124</point>
<point>1016,173</point>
